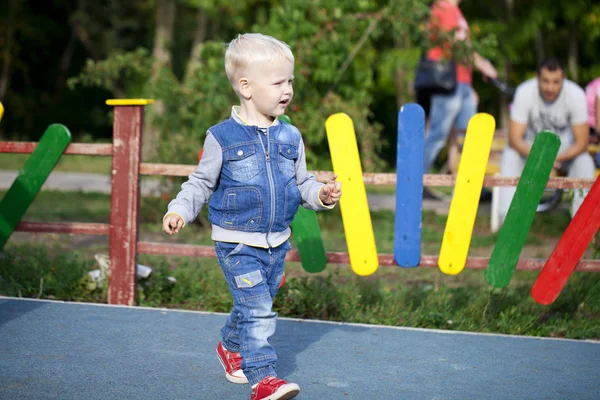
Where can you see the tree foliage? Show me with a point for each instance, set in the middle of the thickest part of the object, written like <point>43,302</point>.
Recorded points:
<point>356,57</point>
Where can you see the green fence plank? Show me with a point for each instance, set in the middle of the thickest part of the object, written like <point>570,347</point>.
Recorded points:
<point>307,235</point>
<point>309,241</point>
<point>32,176</point>
<point>521,212</point>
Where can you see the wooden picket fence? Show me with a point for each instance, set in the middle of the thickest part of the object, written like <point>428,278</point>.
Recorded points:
<point>123,229</point>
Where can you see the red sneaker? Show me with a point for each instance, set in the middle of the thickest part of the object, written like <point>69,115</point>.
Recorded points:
<point>272,388</point>
<point>232,364</point>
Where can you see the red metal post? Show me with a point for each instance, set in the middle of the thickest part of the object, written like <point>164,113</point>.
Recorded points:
<point>124,203</point>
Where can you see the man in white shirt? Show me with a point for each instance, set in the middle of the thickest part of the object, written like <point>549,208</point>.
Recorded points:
<point>548,102</point>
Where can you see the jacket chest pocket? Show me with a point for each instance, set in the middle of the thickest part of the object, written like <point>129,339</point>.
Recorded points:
<point>241,162</point>
<point>288,154</point>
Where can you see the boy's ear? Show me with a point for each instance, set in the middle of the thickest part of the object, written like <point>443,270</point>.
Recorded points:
<point>244,87</point>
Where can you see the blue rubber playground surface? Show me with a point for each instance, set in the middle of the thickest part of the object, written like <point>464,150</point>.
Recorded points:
<point>56,350</point>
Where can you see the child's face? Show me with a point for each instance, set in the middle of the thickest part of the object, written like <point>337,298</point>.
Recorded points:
<point>270,86</point>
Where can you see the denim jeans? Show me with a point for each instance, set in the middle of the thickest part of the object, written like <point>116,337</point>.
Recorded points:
<point>253,275</point>
<point>446,111</point>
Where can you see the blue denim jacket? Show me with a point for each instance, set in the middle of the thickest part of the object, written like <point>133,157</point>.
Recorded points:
<point>255,180</point>
<point>257,191</point>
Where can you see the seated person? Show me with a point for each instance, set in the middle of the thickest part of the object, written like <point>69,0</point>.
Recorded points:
<point>598,119</point>
<point>592,94</point>
<point>548,102</point>
<point>591,91</point>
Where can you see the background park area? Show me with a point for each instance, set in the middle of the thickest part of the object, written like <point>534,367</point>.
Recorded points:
<point>61,59</point>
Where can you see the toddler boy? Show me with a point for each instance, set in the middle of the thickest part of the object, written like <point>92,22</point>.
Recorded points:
<point>253,176</point>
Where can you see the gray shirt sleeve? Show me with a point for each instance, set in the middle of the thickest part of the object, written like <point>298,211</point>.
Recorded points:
<point>520,109</point>
<point>307,183</point>
<point>201,184</point>
<point>577,105</point>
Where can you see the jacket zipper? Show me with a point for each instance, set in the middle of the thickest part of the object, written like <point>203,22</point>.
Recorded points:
<point>271,184</point>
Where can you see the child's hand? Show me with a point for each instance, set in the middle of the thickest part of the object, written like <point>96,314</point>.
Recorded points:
<point>331,192</point>
<point>172,224</point>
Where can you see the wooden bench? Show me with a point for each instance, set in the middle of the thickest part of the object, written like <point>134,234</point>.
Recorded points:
<point>494,165</point>
<point>498,145</point>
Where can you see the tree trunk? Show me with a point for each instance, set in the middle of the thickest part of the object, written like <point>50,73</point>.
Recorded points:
<point>65,62</point>
<point>573,57</point>
<point>399,80</point>
<point>400,87</point>
<point>79,28</point>
<point>82,34</point>
<point>5,77</point>
<point>356,49</point>
<point>504,99</point>
<point>195,62</point>
<point>540,53</point>
<point>163,40</point>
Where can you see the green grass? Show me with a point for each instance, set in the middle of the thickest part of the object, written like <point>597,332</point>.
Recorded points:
<point>55,266</point>
<point>457,303</point>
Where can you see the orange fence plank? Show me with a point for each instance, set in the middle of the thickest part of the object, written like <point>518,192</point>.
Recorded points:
<point>73,228</point>
<point>73,148</point>
<point>371,178</point>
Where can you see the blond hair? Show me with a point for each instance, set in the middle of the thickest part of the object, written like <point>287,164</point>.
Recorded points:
<point>253,48</point>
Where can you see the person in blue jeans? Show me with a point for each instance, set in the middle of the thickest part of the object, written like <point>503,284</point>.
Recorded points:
<point>592,94</point>
<point>253,177</point>
<point>453,110</point>
<point>597,131</point>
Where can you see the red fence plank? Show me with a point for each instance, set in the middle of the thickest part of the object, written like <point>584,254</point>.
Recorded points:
<point>569,249</point>
<point>167,169</point>
<point>74,228</point>
<point>189,250</point>
<point>125,203</point>
<point>73,148</point>
<point>176,249</point>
